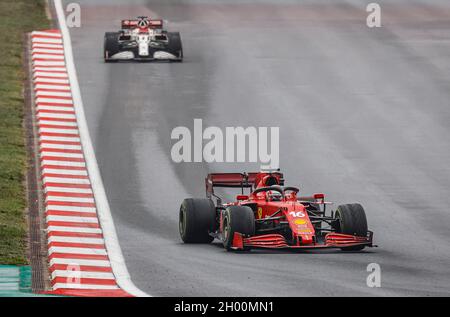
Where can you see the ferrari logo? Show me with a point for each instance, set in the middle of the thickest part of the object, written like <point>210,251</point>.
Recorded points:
<point>259,212</point>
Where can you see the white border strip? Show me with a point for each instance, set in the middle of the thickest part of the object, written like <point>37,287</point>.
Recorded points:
<point>103,210</point>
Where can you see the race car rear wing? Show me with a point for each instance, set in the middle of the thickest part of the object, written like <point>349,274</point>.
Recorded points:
<point>131,24</point>
<point>233,180</point>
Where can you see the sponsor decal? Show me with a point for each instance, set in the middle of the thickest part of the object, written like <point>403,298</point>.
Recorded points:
<point>297,214</point>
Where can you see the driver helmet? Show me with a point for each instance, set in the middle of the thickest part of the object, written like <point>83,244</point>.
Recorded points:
<point>274,195</point>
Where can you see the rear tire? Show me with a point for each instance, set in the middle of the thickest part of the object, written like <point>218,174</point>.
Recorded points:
<point>239,219</point>
<point>197,220</point>
<point>110,46</point>
<point>352,220</point>
<point>175,46</point>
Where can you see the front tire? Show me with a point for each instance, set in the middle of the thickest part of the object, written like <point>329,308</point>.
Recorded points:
<point>175,46</point>
<point>352,220</point>
<point>239,219</point>
<point>197,220</point>
<point>110,46</point>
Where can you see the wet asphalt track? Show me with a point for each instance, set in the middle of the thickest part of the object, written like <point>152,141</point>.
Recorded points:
<point>364,116</point>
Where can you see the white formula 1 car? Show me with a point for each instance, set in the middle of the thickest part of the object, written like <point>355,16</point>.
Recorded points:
<point>143,39</point>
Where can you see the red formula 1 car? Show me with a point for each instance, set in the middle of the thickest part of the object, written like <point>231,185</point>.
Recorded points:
<point>272,216</point>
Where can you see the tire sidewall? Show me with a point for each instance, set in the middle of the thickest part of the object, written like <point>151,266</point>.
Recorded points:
<point>197,220</point>
<point>239,219</point>
<point>110,45</point>
<point>353,221</point>
<point>175,45</point>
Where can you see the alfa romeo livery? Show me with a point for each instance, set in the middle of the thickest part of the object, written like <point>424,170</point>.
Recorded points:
<point>142,39</point>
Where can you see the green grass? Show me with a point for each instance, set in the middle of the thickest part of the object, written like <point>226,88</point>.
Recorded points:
<point>16,18</point>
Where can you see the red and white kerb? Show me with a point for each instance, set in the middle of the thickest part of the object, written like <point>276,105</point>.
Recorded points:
<point>78,259</point>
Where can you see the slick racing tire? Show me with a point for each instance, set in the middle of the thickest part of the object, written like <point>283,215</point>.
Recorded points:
<point>111,46</point>
<point>352,220</point>
<point>175,47</point>
<point>239,219</point>
<point>197,220</point>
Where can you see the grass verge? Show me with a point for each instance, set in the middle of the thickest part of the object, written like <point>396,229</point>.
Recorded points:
<point>16,18</point>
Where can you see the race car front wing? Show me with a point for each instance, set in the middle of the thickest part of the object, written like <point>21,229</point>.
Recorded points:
<point>277,241</point>
<point>129,55</point>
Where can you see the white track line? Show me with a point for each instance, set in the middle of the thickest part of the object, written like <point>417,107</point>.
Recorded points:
<point>72,219</point>
<point>49,69</point>
<point>46,41</point>
<point>55,100</point>
<point>62,163</point>
<point>54,87</point>
<point>75,240</point>
<point>48,50</point>
<point>56,116</point>
<point>62,146</point>
<point>75,208</point>
<point>41,93</point>
<point>47,56</point>
<point>50,34</point>
<point>51,80</point>
<point>68,261</point>
<point>111,241</point>
<point>46,45</point>
<point>61,154</point>
<point>65,180</point>
<point>69,190</point>
<point>85,286</point>
<point>45,74</point>
<point>82,274</point>
<point>74,229</point>
<point>48,63</point>
<point>71,250</point>
<point>71,199</point>
<point>65,172</point>
<point>71,124</point>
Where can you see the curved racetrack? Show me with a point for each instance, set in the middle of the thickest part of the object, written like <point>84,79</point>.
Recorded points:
<point>363,114</point>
